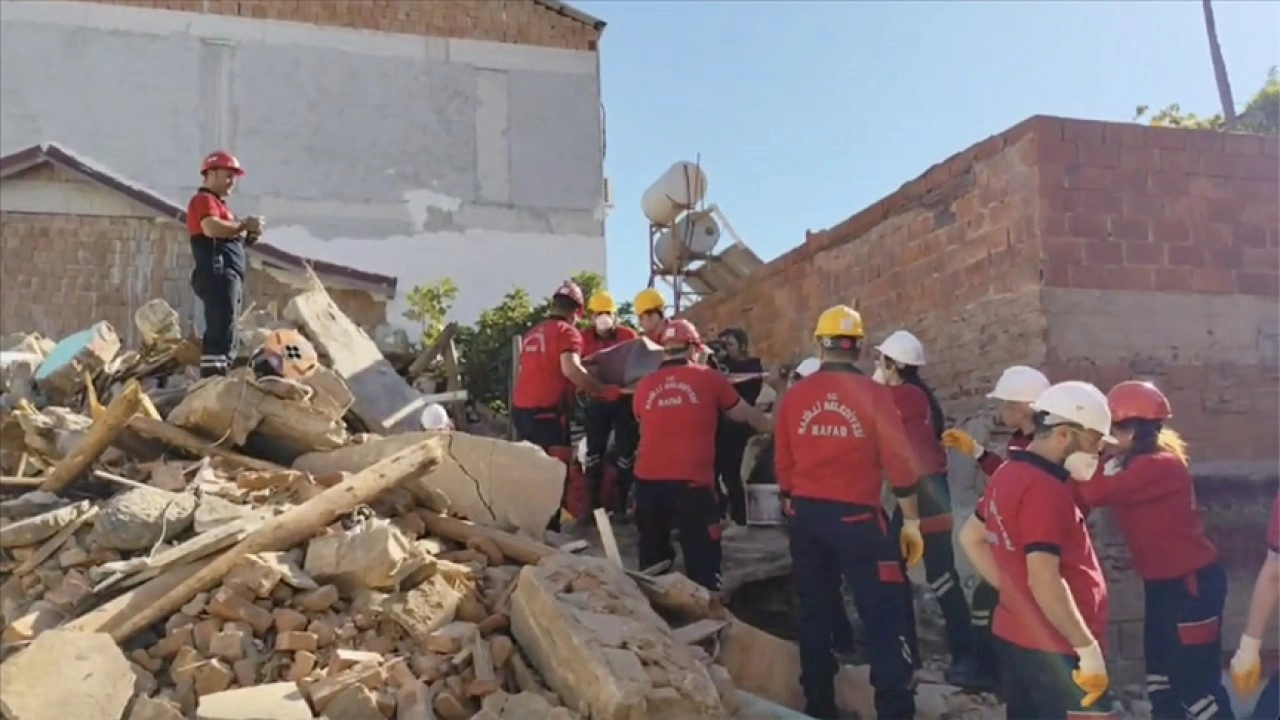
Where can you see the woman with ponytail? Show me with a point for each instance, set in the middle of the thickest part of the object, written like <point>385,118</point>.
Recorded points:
<point>898,367</point>
<point>1149,487</point>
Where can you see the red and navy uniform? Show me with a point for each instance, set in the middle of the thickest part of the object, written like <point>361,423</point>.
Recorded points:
<point>837,433</point>
<point>1268,705</point>
<point>1153,500</point>
<point>990,462</point>
<point>593,342</point>
<point>217,280</point>
<point>603,418</point>
<point>677,407</point>
<point>656,335</point>
<point>1027,508</point>
<point>540,400</point>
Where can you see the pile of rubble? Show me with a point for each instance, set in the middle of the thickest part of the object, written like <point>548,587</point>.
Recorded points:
<point>247,548</point>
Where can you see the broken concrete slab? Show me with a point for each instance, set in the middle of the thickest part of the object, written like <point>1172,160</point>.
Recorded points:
<point>379,558</point>
<point>383,400</point>
<point>593,636</point>
<point>61,375</point>
<point>41,527</point>
<point>65,674</point>
<point>146,708</point>
<point>137,519</point>
<point>273,701</point>
<point>483,479</point>
<point>424,609</point>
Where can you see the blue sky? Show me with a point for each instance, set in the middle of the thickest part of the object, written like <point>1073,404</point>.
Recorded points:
<point>806,112</point>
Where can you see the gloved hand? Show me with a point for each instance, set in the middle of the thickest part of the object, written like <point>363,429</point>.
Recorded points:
<point>1246,665</point>
<point>1112,467</point>
<point>610,393</point>
<point>961,441</point>
<point>911,542</point>
<point>1091,676</point>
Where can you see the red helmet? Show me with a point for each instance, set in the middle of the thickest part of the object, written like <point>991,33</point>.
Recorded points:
<point>1137,400</point>
<point>221,160</point>
<point>570,290</point>
<point>680,332</point>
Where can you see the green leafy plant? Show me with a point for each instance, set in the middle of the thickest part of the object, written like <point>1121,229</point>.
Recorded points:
<point>429,305</point>
<point>1261,115</point>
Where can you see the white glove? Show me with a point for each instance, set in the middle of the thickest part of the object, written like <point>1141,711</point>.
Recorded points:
<point>1112,467</point>
<point>1246,665</point>
<point>1091,662</point>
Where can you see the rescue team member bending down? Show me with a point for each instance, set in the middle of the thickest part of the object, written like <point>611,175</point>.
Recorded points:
<point>1027,538</point>
<point>732,437</point>
<point>1017,388</point>
<point>678,406</point>
<point>649,308</point>
<point>1150,491</point>
<point>604,417</point>
<point>550,366</point>
<point>1246,665</point>
<point>218,240</point>
<point>837,432</point>
<point>898,367</point>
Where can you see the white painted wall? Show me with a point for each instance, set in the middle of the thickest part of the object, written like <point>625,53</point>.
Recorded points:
<point>415,157</point>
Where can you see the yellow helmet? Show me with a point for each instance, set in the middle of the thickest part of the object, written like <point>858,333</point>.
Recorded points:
<point>839,321</point>
<point>648,300</point>
<point>602,302</point>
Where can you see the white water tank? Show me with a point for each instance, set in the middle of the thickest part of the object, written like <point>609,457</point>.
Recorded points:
<point>694,236</point>
<point>680,188</point>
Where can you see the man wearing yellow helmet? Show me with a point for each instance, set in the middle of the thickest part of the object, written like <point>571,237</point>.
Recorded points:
<point>837,434</point>
<point>650,309</point>
<point>605,417</point>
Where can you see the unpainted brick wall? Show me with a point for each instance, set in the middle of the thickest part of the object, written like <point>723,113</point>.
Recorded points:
<point>61,273</point>
<point>510,21</point>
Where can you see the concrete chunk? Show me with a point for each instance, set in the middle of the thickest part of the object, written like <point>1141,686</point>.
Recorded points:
<point>65,674</point>
<point>593,636</point>
<point>274,701</point>
<point>377,558</point>
<point>136,519</point>
<point>61,375</point>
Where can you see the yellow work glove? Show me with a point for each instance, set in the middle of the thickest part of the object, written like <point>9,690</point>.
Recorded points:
<point>1091,675</point>
<point>961,441</point>
<point>911,542</point>
<point>1246,665</point>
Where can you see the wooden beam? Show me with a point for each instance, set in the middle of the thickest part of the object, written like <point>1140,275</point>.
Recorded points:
<point>194,444</point>
<point>96,441</point>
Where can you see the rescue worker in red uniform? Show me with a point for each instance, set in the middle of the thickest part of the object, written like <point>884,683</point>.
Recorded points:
<point>1152,497</point>
<point>1246,665</point>
<point>838,432</point>
<point>898,367</point>
<point>1028,539</point>
<point>218,243</point>
<point>603,418</point>
<point>1015,390</point>
<point>550,367</point>
<point>678,406</point>
<point>650,309</point>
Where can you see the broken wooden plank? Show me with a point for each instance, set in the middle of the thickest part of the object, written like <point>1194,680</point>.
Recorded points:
<point>607,538</point>
<point>292,527</point>
<point>700,630</point>
<point>55,543</point>
<point>429,354</point>
<point>98,439</point>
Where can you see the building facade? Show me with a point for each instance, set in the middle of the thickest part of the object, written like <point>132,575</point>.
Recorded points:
<point>420,140</point>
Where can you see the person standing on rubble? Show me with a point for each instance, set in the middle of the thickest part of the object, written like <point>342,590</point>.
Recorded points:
<point>1151,493</point>
<point>901,356</point>
<point>1028,539</point>
<point>1015,390</point>
<point>1246,664</point>
<point>218,243</point>
<point>650,311</point>
<point>603,418</point>
<point>837,434</point>
<point>550,367</point>
<point>677,407</point>
<point>731,436</point>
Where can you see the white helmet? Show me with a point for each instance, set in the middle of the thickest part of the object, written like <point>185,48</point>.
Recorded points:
<point>434,417</point>
<point>1077,402</point>
<point>1020,384</point>
<point>903,348</point>
<point>807,367</point>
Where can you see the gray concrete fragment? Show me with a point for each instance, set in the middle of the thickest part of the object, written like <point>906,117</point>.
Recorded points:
<point>66,674</point>
<point>136,519</point>
<point>41,527</point>
<point>273,701</point>
<point>145,708</point>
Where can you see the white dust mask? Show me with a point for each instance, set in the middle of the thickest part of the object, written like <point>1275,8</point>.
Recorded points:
<point>604,322</point>
<point>1081,465</point>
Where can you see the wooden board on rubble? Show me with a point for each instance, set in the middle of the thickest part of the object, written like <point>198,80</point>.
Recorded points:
<point>383,400</point>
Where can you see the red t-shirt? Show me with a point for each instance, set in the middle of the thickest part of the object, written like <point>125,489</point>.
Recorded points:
<point>593,343</point>
<point>203,205</point>
<point>540,383</point>
<point>1273,527</point>
<point>917,420</point>
<point>206,250</point>
<point>990,462</point>
<point>1153,500</point>
<point>656,335</point>
<point>835,434</point>
<point>1027,508</point>
<point>678,406</point>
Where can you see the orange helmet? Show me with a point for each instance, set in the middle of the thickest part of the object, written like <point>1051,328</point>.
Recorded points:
<point>1137,400</point>
<point>570,290</point>
<point>680,332</point>
<point>221,160</point>
<point>290,355</point>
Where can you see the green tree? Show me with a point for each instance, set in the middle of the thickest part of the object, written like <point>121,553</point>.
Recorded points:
<point>1261,115</point>
<point>429,305</point>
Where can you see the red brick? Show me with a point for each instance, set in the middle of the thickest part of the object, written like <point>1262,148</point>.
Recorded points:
<point>1144,253</point>
<point>1260,260</point>
<point>1173,279</point>
<point>1171,231</point>
<point>1213,281</point>
<point>1238,144</point>
<point>1266,284</point>
<point>1128,228</point>
<point>1098,154</point>
<point>1093,202</point>
<point>1064,250</point>
<point>1168,184</point>
<point>1086,226</point>
<point>1146,158</point>
<point>1103,252</point>
<point>1187,256</point>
